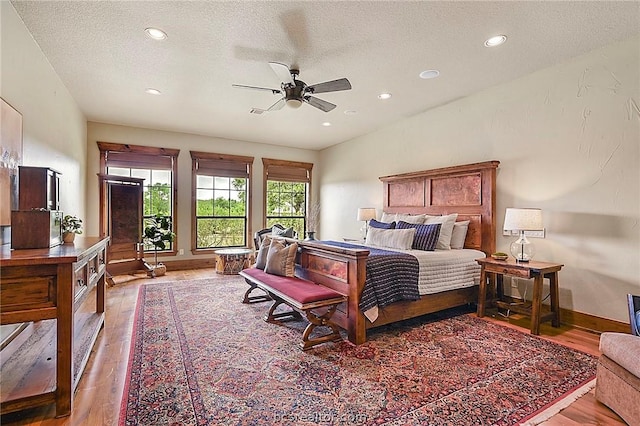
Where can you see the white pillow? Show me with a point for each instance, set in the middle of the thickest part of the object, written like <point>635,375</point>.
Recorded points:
<point>388,217</point>
<point>444,241</point>
<point>459,234</point>
<point>401,239</point>
<point>411,218</point>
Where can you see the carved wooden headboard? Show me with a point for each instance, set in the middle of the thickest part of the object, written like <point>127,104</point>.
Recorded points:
<point>469,190</point>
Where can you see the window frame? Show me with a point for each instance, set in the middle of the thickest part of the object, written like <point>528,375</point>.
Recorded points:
<point>145,157</point>
<point>287,171</point>
<point>235,163</point>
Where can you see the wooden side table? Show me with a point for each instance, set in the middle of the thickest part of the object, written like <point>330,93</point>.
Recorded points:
<point>495,270</point>
<point>232,261</point>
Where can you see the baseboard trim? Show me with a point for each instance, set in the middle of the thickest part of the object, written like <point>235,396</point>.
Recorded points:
<point>181,265</point>
<point>586,321</point>
<point>592,322</point>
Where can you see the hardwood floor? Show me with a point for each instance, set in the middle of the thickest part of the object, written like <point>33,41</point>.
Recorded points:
<point>99,394</point>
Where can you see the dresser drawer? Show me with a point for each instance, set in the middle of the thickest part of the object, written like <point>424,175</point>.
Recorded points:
<point>27,293</point>
<point>81,280</point>
<point>509,270</point>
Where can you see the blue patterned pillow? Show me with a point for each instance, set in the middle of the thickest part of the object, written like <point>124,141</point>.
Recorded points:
<point>382,225</point>
<point>426,236</point>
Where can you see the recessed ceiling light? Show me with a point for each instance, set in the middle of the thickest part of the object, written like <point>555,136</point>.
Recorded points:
<point>326,124</point>
<point>350,112</point>
<point>155,33</point>
<point>495,41</point>
<point>429,74</point>
<point>152,91</point>
<point>384,95</point>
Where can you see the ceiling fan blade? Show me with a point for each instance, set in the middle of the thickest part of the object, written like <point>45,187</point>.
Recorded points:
<point>266,89</point>
<point>319,103</point>
<point>283,73</point>
<point>330,86</point>
<point>278,105</point>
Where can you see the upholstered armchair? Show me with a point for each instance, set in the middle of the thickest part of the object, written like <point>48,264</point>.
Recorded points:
<point>618,375</point>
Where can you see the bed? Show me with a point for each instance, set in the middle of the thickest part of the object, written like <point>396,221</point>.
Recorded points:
<point>468,190</point>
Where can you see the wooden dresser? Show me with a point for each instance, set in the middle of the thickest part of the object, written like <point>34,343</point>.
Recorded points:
<point>66,284</point>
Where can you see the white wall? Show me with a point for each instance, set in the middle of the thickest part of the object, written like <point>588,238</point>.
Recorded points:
<point>185,143</point>
<point>568,140</point>
<point>54,128</point>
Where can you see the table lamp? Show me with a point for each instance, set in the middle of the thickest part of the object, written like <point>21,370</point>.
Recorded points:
<point>522,220</point>
<point>366,214</point>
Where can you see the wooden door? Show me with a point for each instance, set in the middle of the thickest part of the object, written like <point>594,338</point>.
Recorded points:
<point>121,218</point>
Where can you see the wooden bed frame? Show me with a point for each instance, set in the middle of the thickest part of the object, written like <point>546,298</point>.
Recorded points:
<point>469,190</point>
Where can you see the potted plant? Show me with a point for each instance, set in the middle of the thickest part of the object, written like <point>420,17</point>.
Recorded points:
<point>71,226</point>
<point>157,232</point>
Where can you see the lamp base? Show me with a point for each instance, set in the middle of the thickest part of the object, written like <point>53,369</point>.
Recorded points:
<point>522,250</point>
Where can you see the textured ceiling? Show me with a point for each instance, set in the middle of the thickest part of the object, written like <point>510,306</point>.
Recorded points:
<point>102,55</point>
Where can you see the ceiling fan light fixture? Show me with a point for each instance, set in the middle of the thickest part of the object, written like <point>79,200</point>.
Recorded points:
<point>155,33</point>
<point>294,103</point>
<point>495,40</point>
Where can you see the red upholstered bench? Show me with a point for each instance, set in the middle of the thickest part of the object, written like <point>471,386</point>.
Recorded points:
<point>301,295</point>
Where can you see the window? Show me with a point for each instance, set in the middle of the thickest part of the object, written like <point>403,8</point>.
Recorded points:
<point>221,195</point>
<point>158,168</point>
<point>287,187</point>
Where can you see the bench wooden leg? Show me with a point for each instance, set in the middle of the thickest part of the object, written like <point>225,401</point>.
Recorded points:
<point>254,299</point>
<point>320,320</point>
<point>278,317</point>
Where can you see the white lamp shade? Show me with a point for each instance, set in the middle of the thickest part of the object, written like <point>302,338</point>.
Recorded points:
<point>366,213</point>
<point>523,220</point>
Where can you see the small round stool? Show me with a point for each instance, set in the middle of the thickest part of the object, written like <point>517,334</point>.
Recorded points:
<point>231,261</point>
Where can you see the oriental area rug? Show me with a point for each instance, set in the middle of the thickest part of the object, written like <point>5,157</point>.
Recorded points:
<point>201,357</point>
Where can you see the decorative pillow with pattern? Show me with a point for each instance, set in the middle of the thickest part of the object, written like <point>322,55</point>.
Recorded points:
<point>277,232</point>
<point>281,258</point>
<point>261,257</point>
<point>426,236</point>
<point>381,225</point>
<point>447,221</point>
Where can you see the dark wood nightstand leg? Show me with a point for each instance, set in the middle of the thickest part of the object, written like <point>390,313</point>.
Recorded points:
<point>536,303</point>
<point>482,293</point>
<point>555,302</point>
<point>499,286</point>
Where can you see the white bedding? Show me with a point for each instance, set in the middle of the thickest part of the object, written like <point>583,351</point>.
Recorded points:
<point>442,270</point>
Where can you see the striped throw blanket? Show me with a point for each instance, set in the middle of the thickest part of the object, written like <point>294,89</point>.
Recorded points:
<point>391,276</point>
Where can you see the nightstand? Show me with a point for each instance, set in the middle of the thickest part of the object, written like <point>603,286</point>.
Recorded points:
<point>495,270</point>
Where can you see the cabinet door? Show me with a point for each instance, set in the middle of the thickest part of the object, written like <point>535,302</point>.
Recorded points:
<point>121,215</point>
<point>38,188</point>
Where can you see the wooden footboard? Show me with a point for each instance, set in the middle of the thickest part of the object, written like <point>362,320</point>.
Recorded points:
<point>344,270</point>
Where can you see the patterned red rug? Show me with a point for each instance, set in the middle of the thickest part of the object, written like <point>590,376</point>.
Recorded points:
<point>201,357</point>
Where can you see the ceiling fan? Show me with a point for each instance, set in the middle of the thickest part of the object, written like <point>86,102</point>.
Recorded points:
<point>294,92</point>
